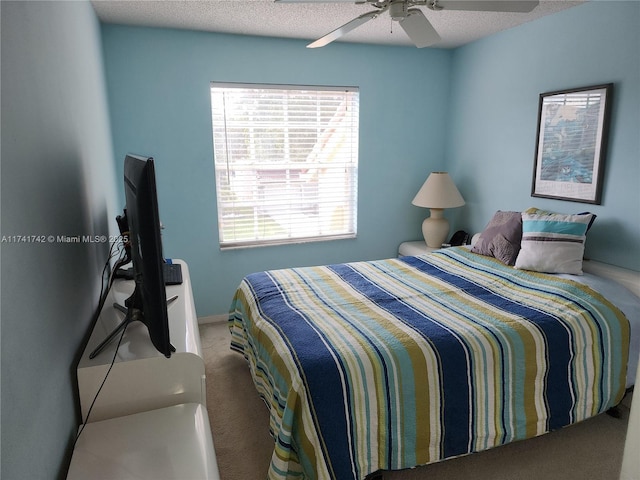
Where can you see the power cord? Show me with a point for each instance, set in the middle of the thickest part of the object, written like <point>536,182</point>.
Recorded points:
<point>119,263</point>
<point>104,380</point>
<point>123,260</point>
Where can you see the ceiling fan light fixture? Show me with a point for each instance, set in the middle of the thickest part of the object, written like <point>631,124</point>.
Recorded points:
<point>398,10</point>
<point>417,27</point>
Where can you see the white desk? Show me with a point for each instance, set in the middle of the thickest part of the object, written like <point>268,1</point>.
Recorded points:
<point>142,378</point>
<point>150,419</point>
<point>169,443</point>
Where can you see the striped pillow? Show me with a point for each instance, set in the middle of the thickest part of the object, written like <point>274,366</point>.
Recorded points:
<point>553,242</point>
<point>547,212</point>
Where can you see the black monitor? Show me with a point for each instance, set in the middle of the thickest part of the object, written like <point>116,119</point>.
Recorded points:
<point>148,303</point>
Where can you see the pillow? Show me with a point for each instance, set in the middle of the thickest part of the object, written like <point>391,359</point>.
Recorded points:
<point>553,242</point>
<point>501,237</point>
<point>547,212</point>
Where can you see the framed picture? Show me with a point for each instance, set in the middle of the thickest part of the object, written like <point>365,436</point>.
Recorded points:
<point>573,126</point>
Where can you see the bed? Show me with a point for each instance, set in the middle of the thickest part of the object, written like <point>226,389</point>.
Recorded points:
<point>390,364</point>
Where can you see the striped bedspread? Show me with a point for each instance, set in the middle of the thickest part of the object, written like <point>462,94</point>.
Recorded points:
<point>396,363</point>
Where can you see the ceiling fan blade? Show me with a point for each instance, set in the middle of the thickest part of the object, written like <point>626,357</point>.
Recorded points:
<point>517,6</point>
<point>344,29</point>
<point>419,29</point>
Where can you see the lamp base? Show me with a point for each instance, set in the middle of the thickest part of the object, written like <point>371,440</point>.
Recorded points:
<point>435,228</point>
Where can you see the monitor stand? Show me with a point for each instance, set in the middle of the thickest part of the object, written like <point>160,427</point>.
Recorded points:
<point>130,315</point>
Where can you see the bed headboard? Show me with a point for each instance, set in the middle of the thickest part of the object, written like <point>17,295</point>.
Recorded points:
<point>624,276</point>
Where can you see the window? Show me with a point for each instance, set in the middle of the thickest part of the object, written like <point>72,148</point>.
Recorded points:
<point>286,163</point>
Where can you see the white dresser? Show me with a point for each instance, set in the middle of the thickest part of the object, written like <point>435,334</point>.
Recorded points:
<point>149,420</point>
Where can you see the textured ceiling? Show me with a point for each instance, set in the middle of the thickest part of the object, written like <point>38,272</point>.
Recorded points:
<point>310,21</point>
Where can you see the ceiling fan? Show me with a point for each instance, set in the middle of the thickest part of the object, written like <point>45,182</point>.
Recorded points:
<point>411,19</point>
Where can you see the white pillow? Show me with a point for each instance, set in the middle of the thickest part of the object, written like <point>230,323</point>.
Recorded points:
<point>553,242</point>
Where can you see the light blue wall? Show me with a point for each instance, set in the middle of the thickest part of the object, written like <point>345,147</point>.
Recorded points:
<point>497,82</point>
<point>158,83</point>
<point>57,179</point>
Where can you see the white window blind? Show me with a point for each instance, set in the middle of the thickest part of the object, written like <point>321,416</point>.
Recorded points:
<point>286,162</point>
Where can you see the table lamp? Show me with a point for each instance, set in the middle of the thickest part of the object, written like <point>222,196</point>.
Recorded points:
<point>437,193</point>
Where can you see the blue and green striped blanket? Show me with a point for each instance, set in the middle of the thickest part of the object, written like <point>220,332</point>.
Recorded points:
<point>395,363</point>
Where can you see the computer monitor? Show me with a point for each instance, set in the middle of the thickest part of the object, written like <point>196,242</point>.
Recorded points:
<point>149,300</point>
<point>148,303</point>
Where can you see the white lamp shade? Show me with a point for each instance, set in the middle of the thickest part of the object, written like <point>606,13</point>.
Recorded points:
<point>438,191</point>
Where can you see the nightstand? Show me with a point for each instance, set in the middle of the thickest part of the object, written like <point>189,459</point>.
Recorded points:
<point>414,248</point>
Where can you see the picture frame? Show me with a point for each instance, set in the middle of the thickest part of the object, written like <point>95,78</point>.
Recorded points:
<point>572,135</point>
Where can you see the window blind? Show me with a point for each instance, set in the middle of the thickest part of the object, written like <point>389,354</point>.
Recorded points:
<point>286,163</point>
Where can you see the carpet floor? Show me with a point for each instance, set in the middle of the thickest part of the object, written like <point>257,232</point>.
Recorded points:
<point>590,450</point>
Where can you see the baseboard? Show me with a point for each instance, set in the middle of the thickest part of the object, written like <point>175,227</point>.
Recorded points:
<point>214,319</point>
